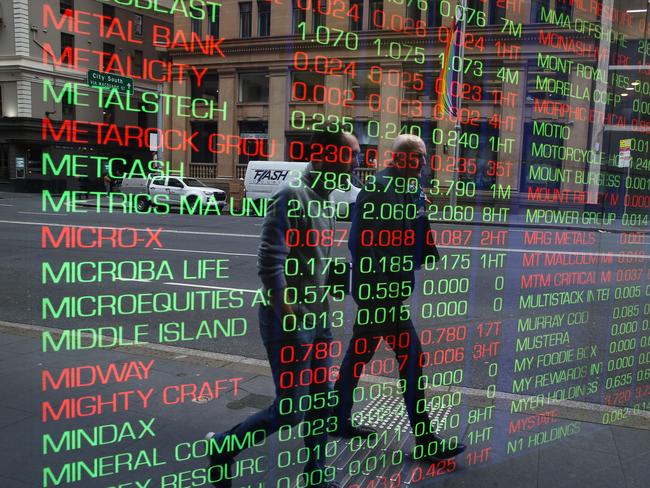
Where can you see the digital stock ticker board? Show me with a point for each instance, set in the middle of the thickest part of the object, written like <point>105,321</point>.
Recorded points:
<point>325,243</point>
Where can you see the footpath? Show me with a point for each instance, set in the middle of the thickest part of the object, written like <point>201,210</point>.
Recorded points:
<point>163,441</point>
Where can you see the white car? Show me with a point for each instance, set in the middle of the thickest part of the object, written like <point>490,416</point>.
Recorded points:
<point>175,191</point>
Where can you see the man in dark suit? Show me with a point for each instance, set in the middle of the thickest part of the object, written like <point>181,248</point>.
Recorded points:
<point>388,242</point>
<point>296,323</point>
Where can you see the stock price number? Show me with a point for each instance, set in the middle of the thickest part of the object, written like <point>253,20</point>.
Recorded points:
<point>323,65</point>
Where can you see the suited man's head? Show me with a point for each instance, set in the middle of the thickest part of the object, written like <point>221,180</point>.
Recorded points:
<point>409,154</point>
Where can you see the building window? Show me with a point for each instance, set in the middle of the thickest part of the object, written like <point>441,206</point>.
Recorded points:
<point>477,4</point>
<point>302,87</point>
<point>108,14</point>
<point>213,21</point>
<point>67,44</point>
<point>533,164</point>
<point>137,20</point>
<point>66,6</point>
<point>109,50</point>
<point>368,146</point>
<point>143,117</point>
<point>375,17</point>
<point>434,19</point>
<point>245,19</point>
<point>203,130</point>
<point>356,15</point>
<point>421,83</point>
<point>318,18</point>
<point>109,115</point>
<point>67,109</point>
<point>363,86</point>
<point>538,81</point>
<point>536,9</point>
<point>253,87</point>
<point>297,147</point>
<point>197,25</point>
<point>298,16</point>
<point>497,13</point>
<point>264,18</point>
<point>564,7</point>
<point>254,136</point>
<point>483,154</point>
<point>137,62</point>
<point>413,11</point>
<point>209,86</point>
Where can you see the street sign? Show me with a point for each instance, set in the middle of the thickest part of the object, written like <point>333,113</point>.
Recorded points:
<point>106,80</point>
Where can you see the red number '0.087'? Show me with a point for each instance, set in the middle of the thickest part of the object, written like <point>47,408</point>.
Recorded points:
<point>315,237</point>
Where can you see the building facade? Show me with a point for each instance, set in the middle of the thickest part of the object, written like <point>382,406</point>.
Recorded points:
<point>375,66</point>
<point>46,51</point>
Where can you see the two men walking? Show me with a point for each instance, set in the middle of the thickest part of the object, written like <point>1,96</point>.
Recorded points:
<point>298,318</point>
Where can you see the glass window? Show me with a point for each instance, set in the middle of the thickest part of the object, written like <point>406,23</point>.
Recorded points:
<point>434,19</point>
<point>143,117</point>
<point>375,14</point>
<point>564,7</point>
<point>253,87</point>
<point>209,86</point>
<point>537,6</point>
<point>477,4</point>
<point>158,181</point>
<point>356,15</point>
<point>67,109</point>
<point>108,13</point>
<point>541,83</point>
<point>245,19</point>
<point>174,182</point>
<point>67,41</point>
<point>137,20</point>
<point>302,86</point>
<point>66,6</point>
<point>483,154</point>
<point>109,49</point>
<point>193,182</point>
<point>363,85</point>
<point>483,86</point>
<point>264,18</point>
<point>197,25</point>
<point>298,16</point>
<point>254,136</point>
<point>203,129</point>
<point>497,13</point>
<point>108,114</point>
<point>418,84</point>
<point>412,10</point>
<point>297,147</point>
<point>318,19</point>
<point>531,167</point>
<point>137,62</point>
<point>213,21</point>
<point>368,145</point>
